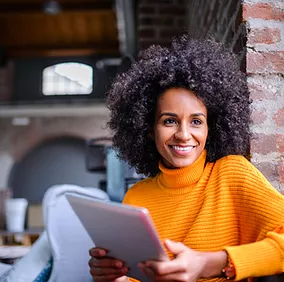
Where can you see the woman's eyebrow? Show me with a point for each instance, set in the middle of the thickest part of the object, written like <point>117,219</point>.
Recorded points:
<point>168,114</point>
<point>198,114</point>
<point>175,115</point>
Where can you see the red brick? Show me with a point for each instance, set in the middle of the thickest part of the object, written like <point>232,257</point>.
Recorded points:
<point>264,62</point>
<point>281,172</point>
<point>258,117</point>
<point>269,170</point>
<point>265,35</point>
<point>279,118</point>
<point>257,92</point>
<point>280,143</point>
<point>261,88</point>
<point>263,144</point>
<point>264,11</point>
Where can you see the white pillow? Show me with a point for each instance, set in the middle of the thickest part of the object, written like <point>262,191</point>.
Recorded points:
<point>4,268</point>
<point>28,268</point>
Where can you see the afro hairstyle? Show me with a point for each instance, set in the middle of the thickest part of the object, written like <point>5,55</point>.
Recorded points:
<point>202,66</point>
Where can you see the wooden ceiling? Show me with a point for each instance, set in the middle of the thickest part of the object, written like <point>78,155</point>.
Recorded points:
<point>82,27</point>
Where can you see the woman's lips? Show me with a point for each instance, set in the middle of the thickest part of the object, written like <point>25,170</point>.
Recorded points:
<point>182,150</point>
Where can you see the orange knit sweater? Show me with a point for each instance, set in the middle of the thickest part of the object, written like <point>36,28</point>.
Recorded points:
<point>215,206</point>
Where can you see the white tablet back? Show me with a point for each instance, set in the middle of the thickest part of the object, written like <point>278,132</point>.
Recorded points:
<point>126,232</point>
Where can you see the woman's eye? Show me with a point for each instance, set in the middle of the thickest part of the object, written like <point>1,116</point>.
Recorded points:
<point>170,121</point>
<point>196,122</point>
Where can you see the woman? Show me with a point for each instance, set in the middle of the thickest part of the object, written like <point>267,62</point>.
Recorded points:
<point>181,117</point>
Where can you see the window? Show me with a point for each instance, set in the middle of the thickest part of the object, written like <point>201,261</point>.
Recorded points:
<point>67,79</point>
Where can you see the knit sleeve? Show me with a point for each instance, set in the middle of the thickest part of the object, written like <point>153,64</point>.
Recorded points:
<point>133,280</point>
<point>260,211</point>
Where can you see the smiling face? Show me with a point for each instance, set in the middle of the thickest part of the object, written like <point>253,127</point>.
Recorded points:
<point>180,129</point>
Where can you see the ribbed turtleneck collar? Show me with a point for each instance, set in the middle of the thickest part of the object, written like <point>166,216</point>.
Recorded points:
<point>185,177</point>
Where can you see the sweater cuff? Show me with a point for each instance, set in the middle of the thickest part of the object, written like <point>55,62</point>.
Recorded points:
<point>256,259</point>
<point>133,280</point>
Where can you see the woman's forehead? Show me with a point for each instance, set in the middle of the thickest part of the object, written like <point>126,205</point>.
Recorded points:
<point>179,99</point>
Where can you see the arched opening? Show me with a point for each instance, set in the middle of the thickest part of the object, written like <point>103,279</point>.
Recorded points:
<point>56,161</point>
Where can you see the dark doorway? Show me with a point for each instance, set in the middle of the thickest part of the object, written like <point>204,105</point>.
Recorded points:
<point>55,161</point>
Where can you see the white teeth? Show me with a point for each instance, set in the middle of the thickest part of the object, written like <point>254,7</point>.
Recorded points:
<point>182,148</point>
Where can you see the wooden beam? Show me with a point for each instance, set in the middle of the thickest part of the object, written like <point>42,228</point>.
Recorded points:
<point>62,52</point>
<point>35,8</point>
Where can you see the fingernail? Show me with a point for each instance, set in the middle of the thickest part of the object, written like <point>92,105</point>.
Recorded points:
<point>118,264</point>
<point>101,252</point>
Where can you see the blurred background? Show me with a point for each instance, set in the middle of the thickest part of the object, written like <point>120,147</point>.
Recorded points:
<point>58,58</point>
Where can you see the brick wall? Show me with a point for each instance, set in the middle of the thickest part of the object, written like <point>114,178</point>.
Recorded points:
<point>265,68</point>
<point>159,21</point>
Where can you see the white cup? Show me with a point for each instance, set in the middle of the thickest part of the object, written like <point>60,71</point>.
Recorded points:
<point>15,210</point>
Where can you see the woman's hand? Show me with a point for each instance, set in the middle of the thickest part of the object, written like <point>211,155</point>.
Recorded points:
<point>106,269</point>
<point>187,266</point>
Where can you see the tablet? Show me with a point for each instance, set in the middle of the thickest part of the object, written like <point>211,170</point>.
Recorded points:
<point>127,232</point>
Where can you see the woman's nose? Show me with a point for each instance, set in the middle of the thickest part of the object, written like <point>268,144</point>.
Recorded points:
<point>183,133</point>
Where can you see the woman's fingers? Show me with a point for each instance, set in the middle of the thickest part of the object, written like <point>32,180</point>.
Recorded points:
<point>175,247</point>
<point>97,252</point>
<point>100,271</point>
<point>166,267</point>
<point>148,271</point>
<point>105,263</point>
<point>187,265</point>
<point>161,274</point>
<point>104,268</point>
<point>177,265</point>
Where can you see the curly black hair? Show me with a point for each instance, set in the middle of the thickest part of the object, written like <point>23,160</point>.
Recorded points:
<point>203,66</point>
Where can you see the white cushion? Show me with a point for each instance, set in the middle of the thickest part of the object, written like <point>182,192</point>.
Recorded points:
<point>4,268</point>
<point>69,241</point>
<point>30,266</point>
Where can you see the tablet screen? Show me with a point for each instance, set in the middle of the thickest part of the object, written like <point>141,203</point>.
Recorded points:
<point>127,232</point>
